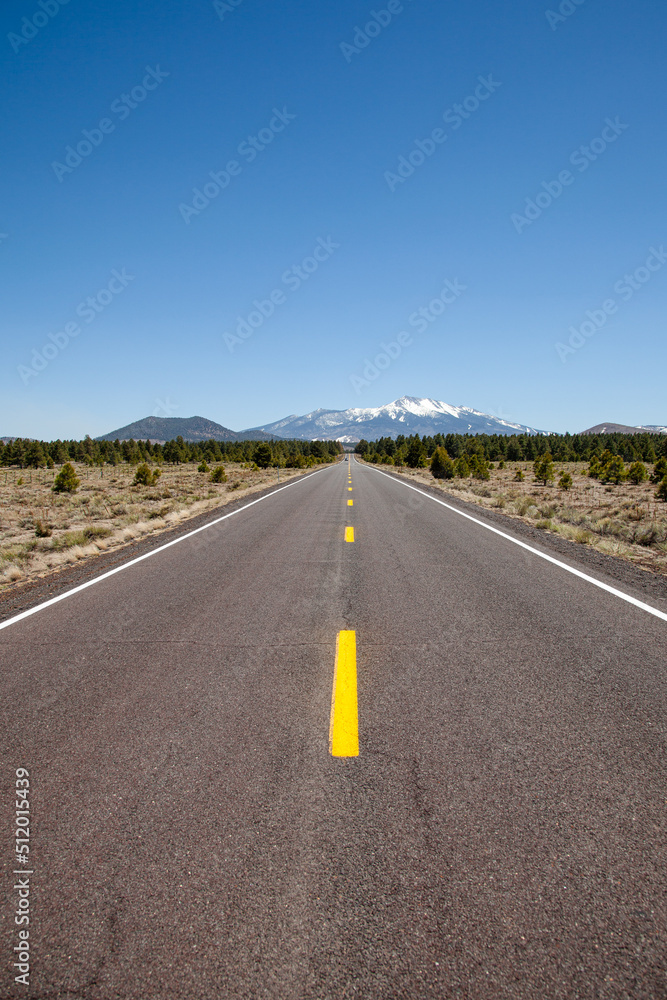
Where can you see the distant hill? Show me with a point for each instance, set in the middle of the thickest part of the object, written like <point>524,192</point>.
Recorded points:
<point>407,415</point>
<point>189,428</point>
<point>625,429</point>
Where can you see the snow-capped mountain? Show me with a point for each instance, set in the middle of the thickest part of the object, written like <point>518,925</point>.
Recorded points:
<point>407,415</point>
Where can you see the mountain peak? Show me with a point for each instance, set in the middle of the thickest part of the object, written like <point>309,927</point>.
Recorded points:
<point>405,415</point>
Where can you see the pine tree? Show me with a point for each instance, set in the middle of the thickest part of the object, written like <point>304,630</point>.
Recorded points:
<point>34,456</point>
<point>613,471</point>
<point>416,456</point>
<point>565,481</point>
<point>637,473</point>
<point>262,455</point>
<point>661,492</point>
<point>660,470</point>
<point>442,466</point>
<point>461,467</point>
<point>67,480</point>
<point>543,468</point>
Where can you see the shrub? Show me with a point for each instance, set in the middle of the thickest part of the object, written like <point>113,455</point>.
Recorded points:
<point>501,464</point>
<point>144,477</point>
<point>219,475</point>
<point>637,473</point>
<point>43,530</point>
<point>565,481</point>
<point>519,476</point>
<point>67,480</point>
<point>661,492</point>
<point>203,467</point>
<point>442,466</point>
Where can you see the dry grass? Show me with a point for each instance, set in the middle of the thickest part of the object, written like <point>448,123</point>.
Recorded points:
<point>625,521</point>
<point>41,531</point>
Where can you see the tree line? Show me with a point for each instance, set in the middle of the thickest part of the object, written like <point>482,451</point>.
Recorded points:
<point>415,451</point>
<point>26,453</point>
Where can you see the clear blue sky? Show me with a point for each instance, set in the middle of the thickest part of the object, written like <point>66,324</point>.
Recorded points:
<point>157,342</point>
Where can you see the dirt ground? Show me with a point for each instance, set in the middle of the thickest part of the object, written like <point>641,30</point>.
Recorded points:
<point>42,531</point>
<point>625,521</point>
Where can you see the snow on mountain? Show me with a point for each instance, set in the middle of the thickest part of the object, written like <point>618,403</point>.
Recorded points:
<point>407,415</point>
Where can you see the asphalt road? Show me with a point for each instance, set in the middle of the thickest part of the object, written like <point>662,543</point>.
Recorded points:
<point>501,834</point>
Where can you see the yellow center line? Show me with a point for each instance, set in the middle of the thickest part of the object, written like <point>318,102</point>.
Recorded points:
<point>344,722</point>
<point>350,503</point>
<point>349,489</point>
<point>349,534</point>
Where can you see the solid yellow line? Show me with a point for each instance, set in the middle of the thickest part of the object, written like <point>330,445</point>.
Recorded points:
<point>344,723</point>
<point>349,534</point>
<point>350,503</point>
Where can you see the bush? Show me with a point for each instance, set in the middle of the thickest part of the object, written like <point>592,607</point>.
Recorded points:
<point>219,475</point>
<point>442,466</point>
<point>67,480</point>
<point>203,467</point>
<point>144,477</point>
<point>661,492</point>
<point>519,476</point>
<point>565,481</point>
<point>43,530</point>
<point>637,473</point>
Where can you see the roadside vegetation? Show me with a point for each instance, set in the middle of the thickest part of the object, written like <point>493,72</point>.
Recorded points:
<point>607,491</point>
<point>61,502</point>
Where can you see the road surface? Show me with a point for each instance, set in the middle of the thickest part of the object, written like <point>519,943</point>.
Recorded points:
<point>500,834</point>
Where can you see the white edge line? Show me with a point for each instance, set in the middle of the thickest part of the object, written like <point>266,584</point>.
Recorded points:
<point>153,552</point>
<point>536,552</point>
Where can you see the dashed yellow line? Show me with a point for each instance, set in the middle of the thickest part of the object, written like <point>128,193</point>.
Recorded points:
<point>350,503</point>
<point>349,534</point>
<point>344,722</point>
